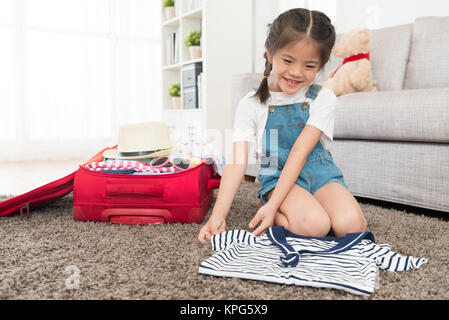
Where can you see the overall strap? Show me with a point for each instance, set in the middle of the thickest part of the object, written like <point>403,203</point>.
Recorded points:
<point>313,91</point>
<point>311,94</point>
<point>291,257</point>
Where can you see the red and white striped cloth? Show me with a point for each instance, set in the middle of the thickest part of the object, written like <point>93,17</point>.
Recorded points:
<point>139,166</point>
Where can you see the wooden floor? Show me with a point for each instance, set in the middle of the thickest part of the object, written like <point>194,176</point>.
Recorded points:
<point>20,177</point>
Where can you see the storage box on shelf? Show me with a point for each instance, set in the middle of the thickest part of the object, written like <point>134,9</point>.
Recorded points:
<point>190,73</point>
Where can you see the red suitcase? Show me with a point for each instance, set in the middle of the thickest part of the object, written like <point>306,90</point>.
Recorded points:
<point>184,196</point>
<point>142,199</point>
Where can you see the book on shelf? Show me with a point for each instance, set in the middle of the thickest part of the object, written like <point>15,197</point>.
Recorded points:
<point>172,48</point>
<point>176,46</point>
<point>200,82</point>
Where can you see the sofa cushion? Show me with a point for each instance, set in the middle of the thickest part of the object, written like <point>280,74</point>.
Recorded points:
<point>390,48</point>
<point>429,62</point>
<point>406,115</point>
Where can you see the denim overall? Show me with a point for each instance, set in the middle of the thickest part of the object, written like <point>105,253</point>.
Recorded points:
<point>283,126</point>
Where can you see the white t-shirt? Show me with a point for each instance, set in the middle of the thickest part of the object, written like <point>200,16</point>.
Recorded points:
<point>251,116</point>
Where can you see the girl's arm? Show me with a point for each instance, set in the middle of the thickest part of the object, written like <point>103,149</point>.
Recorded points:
<point>304,144</point>
<point>231,179</point>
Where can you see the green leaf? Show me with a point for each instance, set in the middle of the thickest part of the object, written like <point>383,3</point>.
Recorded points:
<point>175,90</point>
<point>193,38</point>
<point>169,3</point>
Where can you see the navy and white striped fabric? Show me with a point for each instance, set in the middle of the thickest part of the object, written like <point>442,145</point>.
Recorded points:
<point>350,263</point>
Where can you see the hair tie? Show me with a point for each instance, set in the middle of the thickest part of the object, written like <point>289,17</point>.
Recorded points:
<point>265,77</point>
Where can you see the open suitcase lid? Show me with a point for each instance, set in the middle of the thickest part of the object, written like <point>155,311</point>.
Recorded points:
<point>38,197</point>
<point>43,195</point>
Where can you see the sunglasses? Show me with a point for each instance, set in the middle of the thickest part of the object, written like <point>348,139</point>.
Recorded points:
<point>178,163</point>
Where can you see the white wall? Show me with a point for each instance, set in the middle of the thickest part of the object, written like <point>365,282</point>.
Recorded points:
<point>228,30</point>
<point>345,14</point>
<point>376,14</point>
<point>265,11</point>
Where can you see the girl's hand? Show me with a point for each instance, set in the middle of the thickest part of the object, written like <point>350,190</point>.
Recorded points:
<point>213,226</point>
<point>265,215</point>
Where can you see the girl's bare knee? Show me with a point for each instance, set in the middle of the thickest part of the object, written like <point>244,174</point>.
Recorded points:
<point>281,220</point>
<point>364,224</point>
<point>312,225</point>
<point>349,224</point>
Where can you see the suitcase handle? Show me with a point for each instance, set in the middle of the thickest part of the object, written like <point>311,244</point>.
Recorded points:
<point>136,215</point>
<point>213,182</point>
<point>137,220</point>
<point>137,189</point>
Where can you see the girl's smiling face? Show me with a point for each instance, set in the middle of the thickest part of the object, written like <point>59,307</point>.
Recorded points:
<point>294,66</point>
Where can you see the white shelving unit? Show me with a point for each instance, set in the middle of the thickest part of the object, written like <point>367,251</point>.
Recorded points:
<point>226,45</point>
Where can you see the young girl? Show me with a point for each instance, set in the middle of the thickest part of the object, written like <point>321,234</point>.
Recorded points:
<point>291,120</point>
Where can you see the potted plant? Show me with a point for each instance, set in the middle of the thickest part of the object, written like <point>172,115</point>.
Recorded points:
<point>170,11</point>
<point>193,41</point>
<point>175,92</point>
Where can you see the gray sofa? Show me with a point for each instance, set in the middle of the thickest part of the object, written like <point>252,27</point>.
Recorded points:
<point>392,145</point>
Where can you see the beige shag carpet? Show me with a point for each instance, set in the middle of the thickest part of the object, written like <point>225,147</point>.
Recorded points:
<point>41,257</point>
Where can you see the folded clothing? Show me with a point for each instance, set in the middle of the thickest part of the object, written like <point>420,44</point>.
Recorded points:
<point>137,166</point>
<point>133,167</point>
<point>350,263</point>
<point>120,171</point>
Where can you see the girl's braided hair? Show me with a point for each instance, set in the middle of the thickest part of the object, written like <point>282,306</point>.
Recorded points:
<point>296,25</point>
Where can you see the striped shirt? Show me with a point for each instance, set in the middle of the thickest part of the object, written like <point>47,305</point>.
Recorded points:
<point>350,263</point>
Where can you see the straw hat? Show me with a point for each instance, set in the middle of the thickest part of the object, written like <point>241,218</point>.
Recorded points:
<point>141,141</point>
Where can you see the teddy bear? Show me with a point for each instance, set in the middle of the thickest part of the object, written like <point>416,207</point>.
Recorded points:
<point>354,74</point>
